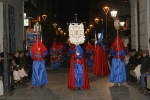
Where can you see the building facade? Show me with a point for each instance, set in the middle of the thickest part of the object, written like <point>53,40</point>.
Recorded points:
<point>14,24</point>
<point>140,23</point>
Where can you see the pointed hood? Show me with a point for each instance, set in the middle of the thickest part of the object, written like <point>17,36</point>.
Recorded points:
<point>54,46</point>
<point>89,47</point>
<point>117,43</point>
<point>79,49</point>
<point>100,40</point>
<point>72,46</point>
<point>38,45</point>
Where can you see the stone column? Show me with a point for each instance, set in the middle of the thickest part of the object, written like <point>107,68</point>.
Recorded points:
<point>134,25</point>
<point>144,10</point>
<point>5,50</point>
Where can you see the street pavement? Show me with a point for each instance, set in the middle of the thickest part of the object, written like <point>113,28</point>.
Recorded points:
<point>100,89</point>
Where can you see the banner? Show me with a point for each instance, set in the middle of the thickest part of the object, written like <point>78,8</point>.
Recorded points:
<point>76,33</point>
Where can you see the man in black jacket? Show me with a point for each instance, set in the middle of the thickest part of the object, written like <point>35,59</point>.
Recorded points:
<point>129,67</point>
<point>145,69</point>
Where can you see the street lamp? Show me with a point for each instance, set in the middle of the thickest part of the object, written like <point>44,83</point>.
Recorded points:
<point>59,29</point>
<point>85,32</point>
<point>122,24</point>
<point>90,25</point>
<point>55,25</point>
<point>64,33</point>
<point>117,23</point>
<point>113,14</point>
<point>106,9</point>
<point>44,17</point>
<point>88,30</point>
<point>96,20</point>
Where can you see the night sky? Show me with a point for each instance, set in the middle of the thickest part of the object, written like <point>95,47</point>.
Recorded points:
<point>67,9</point>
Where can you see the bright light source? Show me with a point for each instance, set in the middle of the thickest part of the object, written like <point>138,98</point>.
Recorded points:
<point>113,14</point>
<point>122,24</point>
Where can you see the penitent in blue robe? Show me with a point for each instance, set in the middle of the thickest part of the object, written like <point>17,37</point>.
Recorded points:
<point>55,61</point>
<point>39,76</point>
<point>89,60</point>
<point>118,73</point>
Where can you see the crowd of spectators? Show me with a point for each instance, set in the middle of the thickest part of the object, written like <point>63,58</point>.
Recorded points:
<point>137,64</point>
<point>20,68</point>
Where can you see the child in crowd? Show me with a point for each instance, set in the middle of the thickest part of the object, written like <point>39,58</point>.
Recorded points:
<point>16,64</point>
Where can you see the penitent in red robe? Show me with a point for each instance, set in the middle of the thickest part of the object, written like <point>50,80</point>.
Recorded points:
<point>71,79</point>
<point>100,62</point>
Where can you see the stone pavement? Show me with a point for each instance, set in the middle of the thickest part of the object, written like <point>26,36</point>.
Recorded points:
<point>101,89</point>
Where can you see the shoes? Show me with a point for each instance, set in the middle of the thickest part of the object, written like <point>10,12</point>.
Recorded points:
<point>33,87</point>
<point>122,84</point>
<point>115,84</point>
<point>79,88</point>
<point>41,86</point>
<point>147,93</point>
<point>143,90</point>
<point>12,88</point>
<point>140,88</point>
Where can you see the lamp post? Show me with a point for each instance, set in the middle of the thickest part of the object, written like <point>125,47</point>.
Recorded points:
<point>106,9</point>
<point>5,49</point>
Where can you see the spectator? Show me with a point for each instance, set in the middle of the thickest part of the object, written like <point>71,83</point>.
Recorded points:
<point>11,72</point>
<point>126,58</point>
<point>145,69</point>
<point>132,58</point>
<point>22,72</point>
<point>16,63</point>
<point>136,73</point>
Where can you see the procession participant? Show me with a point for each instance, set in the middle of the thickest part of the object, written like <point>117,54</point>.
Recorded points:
<point>101,67</point>
<point>89,49</point>
<point>60,47</point>
<point>54,59</point>
<point>39,76</point>
<point>118,72</point>
<point>78,77</point>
